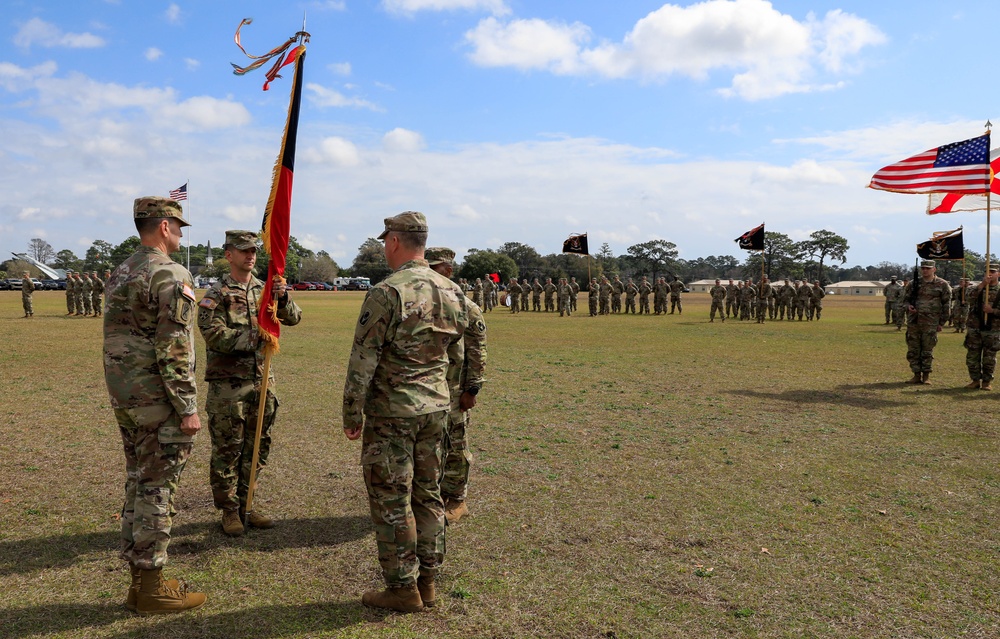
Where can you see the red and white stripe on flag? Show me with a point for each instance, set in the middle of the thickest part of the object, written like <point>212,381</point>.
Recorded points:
<point>960,167</point>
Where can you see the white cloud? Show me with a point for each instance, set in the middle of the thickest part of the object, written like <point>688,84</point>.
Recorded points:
<point>324,97</point>
<point>191,64</point>
<point>891,142</point>
<point>768,52</point>
<point>173,14</point>
<point>340,68</point>
<point>402,141</point>
<point>29,213</point>
<point>465,212</point>
<point>242,212</point>
<point>335,151</point>
<point>45,34</point>
<point>152,54</point>
<point>803,171</point>
<point>15,79</point>
<point>329,5</point>
<point>408,7</point>
<point>203,112</point>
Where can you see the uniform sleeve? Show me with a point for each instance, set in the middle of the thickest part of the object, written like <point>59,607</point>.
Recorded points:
<point>475,348</point>
<point>173,341</point>
<point>290,314</point>
<point>945,303</point>
<point>374,329</point>
<point>214,327</point>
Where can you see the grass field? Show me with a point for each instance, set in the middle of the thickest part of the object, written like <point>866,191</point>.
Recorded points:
<point>634,476</point>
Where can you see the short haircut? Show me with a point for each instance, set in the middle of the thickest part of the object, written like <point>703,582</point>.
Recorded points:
<point>412,240</point>
<point>147,225</point>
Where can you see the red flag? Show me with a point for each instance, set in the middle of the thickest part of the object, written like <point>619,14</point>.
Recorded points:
<point>960,167</point>
<point>277,216</point>
<point>495,277</point>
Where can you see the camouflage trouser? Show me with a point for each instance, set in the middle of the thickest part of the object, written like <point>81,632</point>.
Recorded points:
<point>564,306</point>
<point>745,309</point>
<point>155,453</point>
<point>95,301</point>
<point>771,310</point>
<point>717,305</point>
<point>524,301</point>
<point>630,304</point>
<point>732,307</point>
<point>675,303</point>
<point>70,304</point>
<point>795,309</point>
<point>536,302</point>
<point>232,423</point>
<point>960,316</point>
<point>816,309</point>
<point>572,302</point>
<point>515,302</point>
<point>659,304</point>
<point>981,357</point>
<point>920,343</point>
<point>593,305</point>
<point>889,305</point>
<point>26,302</point>
<point>644,304</point>
<point>605,305</point>
<point>898,315</point>
<point>402,459</point>
<point>549,303</point>
<point>488,301</point>
<point>761,311</point>
<point>616,303</point>
<point>458,459</point>
<point>78,302</point>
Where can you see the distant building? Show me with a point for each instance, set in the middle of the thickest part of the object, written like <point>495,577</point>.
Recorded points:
<point>863,288</point>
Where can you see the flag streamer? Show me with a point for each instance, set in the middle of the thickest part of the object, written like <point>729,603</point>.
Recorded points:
<point>261,60</point>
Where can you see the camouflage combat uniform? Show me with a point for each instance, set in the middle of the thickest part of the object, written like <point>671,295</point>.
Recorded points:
<point>982,339</point>
<point>564,292</point>
<point>803,301</point>
<point>617,289</point>
<point>70,299</point>
<point>227,319</point>
<point>732,299</point>
<point>78,294</point>
<point>96,293</point>
<point>676,288</point>
<point>550,295</point>
<point>397,388</point>
<point>525,294</point>
<point>960,306</point>
<point>644,290</point>
<point>816,301</point>
<point>27,288</point>
<point>631,290</point>
<point>892,291</point>
<point>605,297</point>
<point>489,293</point>
<point>593,296</point>
<point>785,295</point>
<point>765,292</point>
<point>477,293</point>
<point>930,312</point>
<point>575,290</point>
<point>88,295</point>
<point>514,293</point>
<point>718,293</point>
<point>149,362</point>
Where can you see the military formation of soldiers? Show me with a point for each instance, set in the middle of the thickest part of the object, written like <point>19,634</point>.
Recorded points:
<point>746,301</point>
<point>84,293</point>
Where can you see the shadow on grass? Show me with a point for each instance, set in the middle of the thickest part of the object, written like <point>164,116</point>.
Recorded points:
<point>262,622</point>
<point>58,551</point>
<point>845,398</point>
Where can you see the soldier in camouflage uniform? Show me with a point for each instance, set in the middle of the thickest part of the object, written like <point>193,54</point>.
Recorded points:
<point>660,290</point>
<point>982,341</point>
<point>489,293</point>
<point>764,292</point>
<point>477,293</point>
<point>676,288</point>
<point>605,297</point>
<point>644,290</point>
<point>575,291</point>
<point>928,310</point>
<point>525,294</point>
<point>960,305</point>
<point>536,296</point>
<point>816,300</point>
<point>900,310</point>
<point>747,295</point>
<point>96,294</point>
<point>70,302</point>
<point>617,289</point>
<point>514,293</point>
<point>149,355</point>
<point>631,290</point>
<point>892,290</point>
<point>227,319</point>
<point>397,396</point>
<point>565,292</point>
<point>785,295</point>
<point>550,295</point>
<point>718,293</point>
<point>593,296</point>
<point>78,294</point>
<point>466,363</point>
<point>87,293</point>
<point>803,297</point>
<point>732,299</point>
<point>27,288</point>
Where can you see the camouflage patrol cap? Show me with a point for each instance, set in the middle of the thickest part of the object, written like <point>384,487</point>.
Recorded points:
<point>405,222</point>
<point>158,206</point>
<point>439,255</point>
<point>994,268</point>
<point>240,240</point>
<point>927,264</point>
<point>893,278</point>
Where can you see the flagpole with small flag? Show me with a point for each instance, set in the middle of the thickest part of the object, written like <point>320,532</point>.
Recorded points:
<point>275,228</point>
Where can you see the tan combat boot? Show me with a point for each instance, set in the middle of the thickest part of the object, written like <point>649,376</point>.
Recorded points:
<point>973,384</point>
<point>454,510</point>
<point>257,519</point>
<point>133,590</point>
<point>156,598</point>
<point>231,524</point>
<point>987,385</point>
<point>925,378</point>
<point>916,379</point>
<point>425,585</point>
<point>399,598</point>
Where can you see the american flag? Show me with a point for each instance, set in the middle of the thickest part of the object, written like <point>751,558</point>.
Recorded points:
<point>960,167</point>
<point>180,193</point>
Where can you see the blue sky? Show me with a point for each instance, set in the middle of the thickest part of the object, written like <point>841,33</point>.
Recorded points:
<point>501,120</point>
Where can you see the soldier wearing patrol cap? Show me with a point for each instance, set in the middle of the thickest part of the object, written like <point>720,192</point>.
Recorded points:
<point>928,309</point>
<point>149,355</point>
<point>98,291</point>
<point>892,291</point>
<point>397,396</point>
<point>27,288</point>
<point>227,319</point>
<point>982,339</point>
<point>70,283</point>
<point>464,382</point>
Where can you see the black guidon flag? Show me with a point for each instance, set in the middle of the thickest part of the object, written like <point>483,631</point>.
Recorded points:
<point>576,244</point>
<point>945,245</point>
<point>752,240</point>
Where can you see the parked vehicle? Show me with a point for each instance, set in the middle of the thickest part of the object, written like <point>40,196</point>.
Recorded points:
<point>54,285</point>
<point>355,285</point>
<point>303,286</point>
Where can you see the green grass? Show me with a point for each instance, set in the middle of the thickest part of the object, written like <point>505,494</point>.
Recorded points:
<point>634,476</point>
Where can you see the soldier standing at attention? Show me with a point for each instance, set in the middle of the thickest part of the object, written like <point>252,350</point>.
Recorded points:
<point>466,363</point>
<point>95,296</point>
<point>617,289</point>
<point>676,288</point>
<point>900,311</point>
<point>27,288</point>
<point>525,294</point>
<point>803,302</point>
<point>718,293</point>
<point>982,341</point>
<point>489,290</point>
<point>960,305</point>
<point>550,294</point>
<point>514,293</point>
<point>631,290</point>
<point>816,301</point>
<point>477,293</point>
<point>891,291</point>
<point>644,290</point>
<point>396,395</point>
<point>149,354</point>
<point>605,298</point>
<point>593,295</point>
<point>88,294</point>
<point>660,296</point>
<point>70,303</point>
<point>575,290</point>
<point>227,319</point>
<point>564,294</point>
<point>785,294</point>
<point>928,308</point>
<point>536,296</point>
<point>764,293</point>
<point>78,294</point>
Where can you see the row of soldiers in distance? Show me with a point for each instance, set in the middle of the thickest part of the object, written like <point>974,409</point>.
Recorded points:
<point>746,300</point>
<point>83,293</point>
<point>895,303</point>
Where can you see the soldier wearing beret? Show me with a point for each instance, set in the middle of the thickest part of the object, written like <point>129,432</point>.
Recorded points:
<point>466,362</point>
<point>928,302</point>
<point>227,319</point>
<point>398,398</point>
<point>149,357</point>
